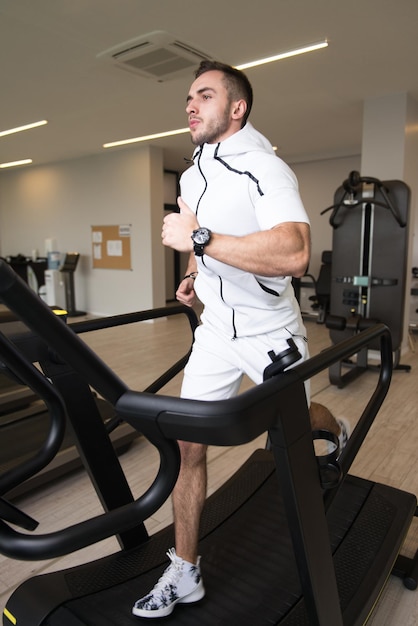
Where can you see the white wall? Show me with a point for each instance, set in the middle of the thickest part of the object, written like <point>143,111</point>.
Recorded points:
<point>64,200</point>
<point>318,181</point>
<point>390,150</point>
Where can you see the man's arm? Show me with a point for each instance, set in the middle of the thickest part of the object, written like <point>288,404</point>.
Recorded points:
<point>185,292</point>
<point>281,251</point>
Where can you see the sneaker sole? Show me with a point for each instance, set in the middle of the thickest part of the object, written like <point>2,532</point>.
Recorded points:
<point>196,595</point>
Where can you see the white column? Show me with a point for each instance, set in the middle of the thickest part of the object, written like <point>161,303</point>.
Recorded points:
<point>390,152</point>
<point>156,181</point>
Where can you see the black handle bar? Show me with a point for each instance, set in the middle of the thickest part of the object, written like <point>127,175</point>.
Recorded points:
<point>31,377</point>
<point>140,316</point>
<point>241,419</point>
<point>351,186</point>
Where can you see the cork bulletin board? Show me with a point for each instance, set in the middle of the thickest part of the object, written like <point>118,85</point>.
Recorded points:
<point>111,247</point>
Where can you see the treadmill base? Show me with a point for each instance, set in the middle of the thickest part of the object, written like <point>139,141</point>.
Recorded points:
<point>248,562</point>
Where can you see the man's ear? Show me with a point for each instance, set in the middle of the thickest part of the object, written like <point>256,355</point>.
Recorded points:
<point>239,108</point>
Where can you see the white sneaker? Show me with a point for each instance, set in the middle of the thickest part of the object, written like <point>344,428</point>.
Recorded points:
<point>345,433</point>
<point>180,583</point>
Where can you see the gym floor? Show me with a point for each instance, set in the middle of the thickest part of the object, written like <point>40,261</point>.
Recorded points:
<point>139,353</point>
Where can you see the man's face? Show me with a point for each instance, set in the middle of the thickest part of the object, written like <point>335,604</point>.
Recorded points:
<point>209,109</point>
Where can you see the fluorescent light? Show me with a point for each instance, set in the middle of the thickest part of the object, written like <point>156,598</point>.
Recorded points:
<point>19,129</point>
<point>284,55</point>
<point>168,133</point>
<point>277,57</point>
<point>16,163</point>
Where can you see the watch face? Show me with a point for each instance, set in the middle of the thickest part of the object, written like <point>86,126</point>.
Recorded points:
<point>201,236</point>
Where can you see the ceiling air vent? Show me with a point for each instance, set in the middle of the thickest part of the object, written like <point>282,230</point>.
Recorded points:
<point>157,55</point>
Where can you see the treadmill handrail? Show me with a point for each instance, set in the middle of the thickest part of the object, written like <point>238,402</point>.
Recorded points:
<point>17,545</point>
<point>100,323</point>
<point>103,323</point>
<point>61,338</point>
<point>33,378</point>
<point>163,419</point>
<point>244,417</point>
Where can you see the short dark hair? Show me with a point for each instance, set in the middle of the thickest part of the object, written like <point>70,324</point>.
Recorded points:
<point>236,82</point>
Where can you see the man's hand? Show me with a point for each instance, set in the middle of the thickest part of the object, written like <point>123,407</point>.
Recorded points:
<point>185,292</point>
<point>178,228</point>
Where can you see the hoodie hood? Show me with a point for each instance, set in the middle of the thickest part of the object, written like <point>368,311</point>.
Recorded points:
<point>248,139</point>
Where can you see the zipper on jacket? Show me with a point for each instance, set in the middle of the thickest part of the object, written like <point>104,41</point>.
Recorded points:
<point>204,178</point>
<point>234,336</point>
<point>295,335</point>
<point>204,190</point>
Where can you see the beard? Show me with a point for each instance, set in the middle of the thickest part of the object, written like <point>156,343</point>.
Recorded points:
<point>214,129</point>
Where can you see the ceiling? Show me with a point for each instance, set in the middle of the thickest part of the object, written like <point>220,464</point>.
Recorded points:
<point>309,106</point>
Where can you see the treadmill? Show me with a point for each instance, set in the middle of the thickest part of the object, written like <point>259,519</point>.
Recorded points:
<point>24,419</point>
<point>290,539</point>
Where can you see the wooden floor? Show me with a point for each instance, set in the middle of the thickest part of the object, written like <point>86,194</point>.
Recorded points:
<point>139,353</point>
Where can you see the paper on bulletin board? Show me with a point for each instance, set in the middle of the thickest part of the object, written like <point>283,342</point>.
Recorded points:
<point>111,247</point>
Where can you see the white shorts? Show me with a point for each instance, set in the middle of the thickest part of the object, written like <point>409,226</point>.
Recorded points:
<point>218,363</point>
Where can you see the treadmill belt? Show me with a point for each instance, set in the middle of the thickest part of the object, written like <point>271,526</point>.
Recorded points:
<point>248,565</point>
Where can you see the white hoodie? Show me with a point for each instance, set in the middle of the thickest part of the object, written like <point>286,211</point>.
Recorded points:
<point>237,187</point>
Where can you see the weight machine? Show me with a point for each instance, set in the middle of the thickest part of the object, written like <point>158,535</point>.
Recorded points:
<point>369,265</point>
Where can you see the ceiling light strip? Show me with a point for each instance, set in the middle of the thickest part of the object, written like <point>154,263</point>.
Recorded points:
<point>284,55</point>
<point>123,142</point>
<point>19,129</point>
<point>16,163</point>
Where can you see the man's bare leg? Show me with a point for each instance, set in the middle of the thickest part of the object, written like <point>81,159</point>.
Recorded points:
<point>189,494</point>
<point>188,499</point>
<point>181,581</point>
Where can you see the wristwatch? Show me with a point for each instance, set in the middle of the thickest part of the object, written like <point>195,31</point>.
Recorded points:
<point>201,238</point>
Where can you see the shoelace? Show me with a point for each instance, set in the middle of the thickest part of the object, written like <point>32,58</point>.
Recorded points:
<point>171,574</point>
